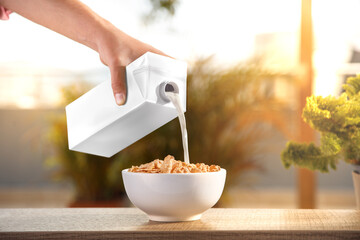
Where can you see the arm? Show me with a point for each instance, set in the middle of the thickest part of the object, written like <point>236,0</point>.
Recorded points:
<point>78,22</point>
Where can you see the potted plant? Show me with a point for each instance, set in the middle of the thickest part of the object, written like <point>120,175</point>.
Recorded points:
<point>338,121</point>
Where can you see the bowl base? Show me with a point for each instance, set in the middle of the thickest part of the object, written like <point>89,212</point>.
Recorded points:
<point>174,219</point>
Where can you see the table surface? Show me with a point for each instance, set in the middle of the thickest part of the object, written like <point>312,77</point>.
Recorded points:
<point>216,223</point>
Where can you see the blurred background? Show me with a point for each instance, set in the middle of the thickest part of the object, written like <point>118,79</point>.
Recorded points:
<point>246,80</point>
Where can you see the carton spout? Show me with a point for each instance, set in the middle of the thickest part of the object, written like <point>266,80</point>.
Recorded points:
<point>167,87</point>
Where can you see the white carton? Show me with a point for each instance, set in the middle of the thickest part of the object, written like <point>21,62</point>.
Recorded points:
<point>98,126</point>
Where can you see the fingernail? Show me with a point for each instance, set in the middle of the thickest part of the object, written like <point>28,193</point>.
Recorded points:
<point>120,98</point>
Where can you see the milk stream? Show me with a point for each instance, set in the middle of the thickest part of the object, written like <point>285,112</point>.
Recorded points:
<point>175,99</point>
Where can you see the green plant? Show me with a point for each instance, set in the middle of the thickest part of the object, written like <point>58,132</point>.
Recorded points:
<point>338,121</point>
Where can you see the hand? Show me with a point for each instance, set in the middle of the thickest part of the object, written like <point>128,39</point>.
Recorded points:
<point>117,50</point>
<point>76,21</point>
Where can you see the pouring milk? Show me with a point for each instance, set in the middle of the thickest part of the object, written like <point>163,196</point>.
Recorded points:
<point>175,99</point>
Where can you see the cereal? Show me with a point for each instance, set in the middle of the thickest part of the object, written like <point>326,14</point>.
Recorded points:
<point>170,165</point>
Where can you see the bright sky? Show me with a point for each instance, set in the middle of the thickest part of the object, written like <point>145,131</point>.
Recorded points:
<point>227,29</point>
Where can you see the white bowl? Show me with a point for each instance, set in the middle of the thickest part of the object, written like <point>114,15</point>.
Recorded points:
<point>172,197</point>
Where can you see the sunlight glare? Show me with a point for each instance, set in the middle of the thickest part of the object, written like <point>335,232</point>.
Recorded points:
<point>335,28</point>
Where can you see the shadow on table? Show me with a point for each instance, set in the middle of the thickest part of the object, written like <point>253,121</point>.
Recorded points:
<point>173,226</point>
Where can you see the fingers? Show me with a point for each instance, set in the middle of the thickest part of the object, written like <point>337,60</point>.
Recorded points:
<point>118,80</point>
<point>118,83</point>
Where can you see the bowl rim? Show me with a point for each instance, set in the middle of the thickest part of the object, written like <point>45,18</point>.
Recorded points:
<point>126,171</point>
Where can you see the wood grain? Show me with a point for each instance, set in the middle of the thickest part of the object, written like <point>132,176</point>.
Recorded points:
<point>131,223</point>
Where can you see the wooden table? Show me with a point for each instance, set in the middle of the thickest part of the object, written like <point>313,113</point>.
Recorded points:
<point>221,223</point>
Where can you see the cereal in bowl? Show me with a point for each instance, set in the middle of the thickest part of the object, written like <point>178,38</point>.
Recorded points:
<point>170,165</point>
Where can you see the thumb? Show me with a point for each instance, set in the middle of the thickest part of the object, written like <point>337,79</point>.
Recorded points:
<point>118,83</point>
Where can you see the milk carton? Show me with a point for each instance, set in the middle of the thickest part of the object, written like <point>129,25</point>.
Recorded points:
<point>98,126</point>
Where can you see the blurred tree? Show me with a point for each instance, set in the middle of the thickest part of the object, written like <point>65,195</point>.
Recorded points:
<point>226,116</point>
<point>160,8</point>
<point>94,178</point>
<point>228,113</point>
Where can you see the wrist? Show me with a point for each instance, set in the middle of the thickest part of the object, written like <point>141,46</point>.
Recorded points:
<point>95,33</point>
<point>110,43</point>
